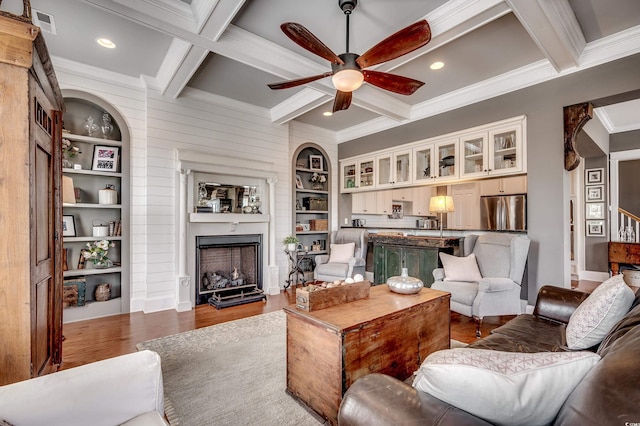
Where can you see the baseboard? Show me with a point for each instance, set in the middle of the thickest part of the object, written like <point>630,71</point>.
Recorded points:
<point>593,276</point>
<point>159,304</point>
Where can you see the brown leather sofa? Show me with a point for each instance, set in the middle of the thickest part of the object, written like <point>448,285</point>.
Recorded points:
<point>608,395</point>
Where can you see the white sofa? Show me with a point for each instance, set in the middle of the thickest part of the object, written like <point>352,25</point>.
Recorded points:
<point>122,390</point>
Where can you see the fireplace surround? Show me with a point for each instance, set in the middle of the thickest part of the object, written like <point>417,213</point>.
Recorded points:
<point>228,270</point>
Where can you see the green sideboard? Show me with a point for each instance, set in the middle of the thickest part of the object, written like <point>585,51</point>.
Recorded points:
<point>419,255</point>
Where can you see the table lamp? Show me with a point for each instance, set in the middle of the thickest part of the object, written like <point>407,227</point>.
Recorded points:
<point>441,204</point>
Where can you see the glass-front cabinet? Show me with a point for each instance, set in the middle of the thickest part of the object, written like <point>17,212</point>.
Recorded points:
<point>506,149</point>
<point>394,169</point>
<point>474,155</point>
<point>358,175</point>
<point>446,160</point>
<point>423,159</point>
<point>349,176</point>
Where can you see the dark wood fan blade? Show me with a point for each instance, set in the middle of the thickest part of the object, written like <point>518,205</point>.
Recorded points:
<point>392,82</point>
<point>305,39</point>
<point>293,83</point>
<point>404,41</point>
<point>342,101</point>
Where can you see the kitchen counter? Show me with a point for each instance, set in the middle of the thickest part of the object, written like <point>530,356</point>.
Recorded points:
<point>418,253</point>
<point>415,240</point>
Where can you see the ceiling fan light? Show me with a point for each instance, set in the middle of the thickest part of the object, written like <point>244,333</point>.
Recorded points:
<point>347,80</point>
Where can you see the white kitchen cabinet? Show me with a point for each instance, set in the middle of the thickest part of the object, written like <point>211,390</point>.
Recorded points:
<point>436,161</point>
<point>364,202</point>
<point>474,155</point>
<point>394,168</point>
<point>504,186</point>
<point>402,194</point>
<point>384,202</point>
<point>421,199</point>
<point>357,174</point>
<point>506,149</point>
<point>466,200</point>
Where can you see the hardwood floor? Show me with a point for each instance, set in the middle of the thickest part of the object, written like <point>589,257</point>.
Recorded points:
<point>102,338</point>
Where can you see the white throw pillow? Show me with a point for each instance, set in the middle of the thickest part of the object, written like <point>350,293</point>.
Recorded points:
<point>341,253</point>
<point>598,313</point>
<point>504,388</point>
<point>460,268</point>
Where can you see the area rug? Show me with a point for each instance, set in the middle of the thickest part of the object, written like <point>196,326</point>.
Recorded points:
<point>232,373</point>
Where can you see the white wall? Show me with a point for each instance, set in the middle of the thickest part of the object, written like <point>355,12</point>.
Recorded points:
<point>195,122</point>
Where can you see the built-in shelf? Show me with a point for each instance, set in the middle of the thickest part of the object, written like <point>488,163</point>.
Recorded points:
<point>92,309</point>
<point>320,172</point>
<point>90,139</point>
<point>89,238</point>
<point>312,212</point>
<point>311,233</point>
<point>312,191</point>
<point>92,206</point>
<point>80,272</point>
<point>91,172</point>
<point>228,218</point>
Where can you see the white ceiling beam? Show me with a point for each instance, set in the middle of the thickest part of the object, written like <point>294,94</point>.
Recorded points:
<point>298,104</point>
<point>554,28</point>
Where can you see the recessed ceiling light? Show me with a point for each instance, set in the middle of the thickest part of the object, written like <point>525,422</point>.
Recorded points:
<point>327,113</point>
<point>105,42</point>
<point>436,65</point>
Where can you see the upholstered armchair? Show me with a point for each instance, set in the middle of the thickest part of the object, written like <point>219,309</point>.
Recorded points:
<point>347,256</point>
<point>487,281</point>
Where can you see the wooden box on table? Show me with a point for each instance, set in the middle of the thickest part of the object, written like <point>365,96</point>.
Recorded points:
<point>312,298</point>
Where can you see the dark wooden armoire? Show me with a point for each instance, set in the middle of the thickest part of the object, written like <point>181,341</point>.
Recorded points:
<point>31,106</point>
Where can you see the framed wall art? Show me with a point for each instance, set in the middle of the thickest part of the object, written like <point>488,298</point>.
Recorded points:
<point>595,228</point>
<point>105,158</point>
<point>594,176</point>
<point>594,211</point>
<point>594,193</point>
<point>315,162</point>
<point>68,226</point>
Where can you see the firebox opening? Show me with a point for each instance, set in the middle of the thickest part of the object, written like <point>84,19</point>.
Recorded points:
<point>229,270</point>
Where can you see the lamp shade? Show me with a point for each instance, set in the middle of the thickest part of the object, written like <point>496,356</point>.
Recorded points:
<point>441,204</point>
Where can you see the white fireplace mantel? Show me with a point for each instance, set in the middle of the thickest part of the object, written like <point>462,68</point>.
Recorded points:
<point>188,162</point>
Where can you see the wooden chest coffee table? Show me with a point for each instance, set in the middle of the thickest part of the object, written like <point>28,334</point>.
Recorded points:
<point>327,350</point>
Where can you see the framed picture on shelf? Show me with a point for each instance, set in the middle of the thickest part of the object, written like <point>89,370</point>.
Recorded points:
<point>315,162</point>
<point>299,182</point>
<point>594,176</point>
<point>68,226</point>
<point>595,228</point>
<point>594,193</point>
<point>105,158</point>
<point>594,211</point>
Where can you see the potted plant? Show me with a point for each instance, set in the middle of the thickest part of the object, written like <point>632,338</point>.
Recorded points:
<point>291,242</point>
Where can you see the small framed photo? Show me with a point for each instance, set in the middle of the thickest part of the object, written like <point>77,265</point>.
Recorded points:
<point>299,182</point>
<point>594,211</point>
<point>315,162</point>
<point>595,228</point>
<point>68,226</point>
<point>105,158</point>
<point>594,176</point>
<point>594,193</point>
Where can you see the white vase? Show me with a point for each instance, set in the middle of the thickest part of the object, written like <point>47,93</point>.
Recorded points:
<point>291,247</point>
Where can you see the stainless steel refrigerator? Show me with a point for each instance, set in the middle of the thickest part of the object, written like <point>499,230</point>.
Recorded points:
<point>503,212</point>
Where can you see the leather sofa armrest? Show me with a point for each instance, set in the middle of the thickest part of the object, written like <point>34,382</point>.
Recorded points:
<point>557,303</point>
<point>378,399</point>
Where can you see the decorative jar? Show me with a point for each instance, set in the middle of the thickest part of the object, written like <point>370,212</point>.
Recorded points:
<point>405,284</point>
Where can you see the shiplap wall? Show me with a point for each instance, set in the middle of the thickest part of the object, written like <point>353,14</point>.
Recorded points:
<point>195,122</point>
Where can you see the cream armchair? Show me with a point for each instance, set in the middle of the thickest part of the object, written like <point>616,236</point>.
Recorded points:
<point>343,262</point>
<point>125,390</point>
<point>494,287</point>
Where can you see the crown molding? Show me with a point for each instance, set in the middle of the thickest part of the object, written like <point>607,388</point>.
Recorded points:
<point>227,103</point>
<point>88,71</point>
<point>298,104</point>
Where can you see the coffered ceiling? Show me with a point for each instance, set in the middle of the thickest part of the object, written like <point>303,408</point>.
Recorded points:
<point>229,50</point>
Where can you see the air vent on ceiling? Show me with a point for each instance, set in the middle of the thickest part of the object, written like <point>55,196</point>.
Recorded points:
<point>45,21</point>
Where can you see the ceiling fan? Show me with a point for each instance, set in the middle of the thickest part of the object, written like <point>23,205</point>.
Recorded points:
<point>347,69</point>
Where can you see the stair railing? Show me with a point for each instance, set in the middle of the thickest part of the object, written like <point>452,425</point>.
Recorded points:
<point>628,220</point>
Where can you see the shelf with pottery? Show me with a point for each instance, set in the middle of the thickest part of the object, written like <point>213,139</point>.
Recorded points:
<point>311,200</point>
<point>96,195</point>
